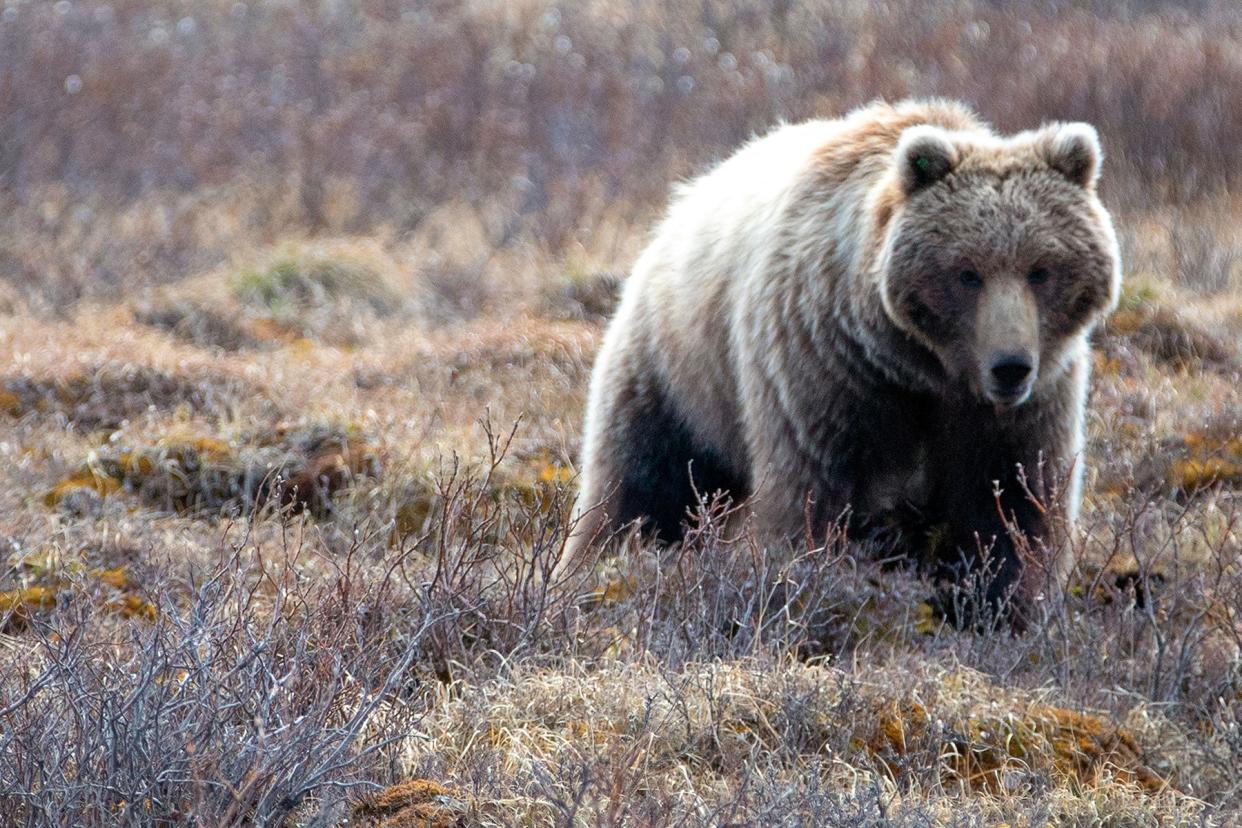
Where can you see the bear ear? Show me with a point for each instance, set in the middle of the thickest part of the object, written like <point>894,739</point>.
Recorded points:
<point>1074,151</point>
<point>925,154</point>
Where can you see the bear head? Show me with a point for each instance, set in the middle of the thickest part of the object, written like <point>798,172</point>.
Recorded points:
<point>996,253</point>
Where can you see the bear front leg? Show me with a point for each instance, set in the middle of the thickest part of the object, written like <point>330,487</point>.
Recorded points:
<point>1007,480</point>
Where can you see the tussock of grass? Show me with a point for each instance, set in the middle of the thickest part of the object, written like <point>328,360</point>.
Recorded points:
<point>295,467</point>
<point>321,294</point>
<point>1169,337</point>
<point>292,285</point>
<point>45,588</point>
<point>107,396</point>
<point>1189,464</point>
<point>17,605</point>
<point>686,737</point>
<point>590,297</point>
<point>203,326</point>
<point>996,752</point>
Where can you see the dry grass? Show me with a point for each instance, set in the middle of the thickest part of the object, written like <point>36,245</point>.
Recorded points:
<point>381,639</point>
<point>298,310</point>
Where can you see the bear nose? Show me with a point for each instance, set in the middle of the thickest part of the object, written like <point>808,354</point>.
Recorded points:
<point>1010,371</point>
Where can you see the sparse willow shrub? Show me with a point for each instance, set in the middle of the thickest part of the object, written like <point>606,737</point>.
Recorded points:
<point>253,693</point>
<point>719,594</point>
<point>489,568</point>
<point>1150,610</point>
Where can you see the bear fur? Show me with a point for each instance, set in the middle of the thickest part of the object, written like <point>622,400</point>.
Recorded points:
<point>882,312</point>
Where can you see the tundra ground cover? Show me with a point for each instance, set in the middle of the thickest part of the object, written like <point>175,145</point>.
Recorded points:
<point>290,408</point>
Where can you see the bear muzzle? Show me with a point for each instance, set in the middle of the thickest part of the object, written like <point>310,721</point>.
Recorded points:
<point>1010,378</point>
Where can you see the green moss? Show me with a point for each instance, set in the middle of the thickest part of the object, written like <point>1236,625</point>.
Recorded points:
<point>291,285</point>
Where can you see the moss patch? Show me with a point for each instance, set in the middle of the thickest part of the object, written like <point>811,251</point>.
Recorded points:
<point>298,468</point>
<point>320,297</point>
<point>1187,464</point>
<point>982,750</point>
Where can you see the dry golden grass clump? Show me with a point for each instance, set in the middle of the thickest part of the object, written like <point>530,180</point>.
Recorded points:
<point>591,297</point>
<point>691,733</point>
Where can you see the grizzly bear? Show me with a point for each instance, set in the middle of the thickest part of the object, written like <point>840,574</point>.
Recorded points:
<point>881,313</point>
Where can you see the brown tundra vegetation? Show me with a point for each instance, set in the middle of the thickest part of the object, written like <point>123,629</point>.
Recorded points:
<point>298,303</point>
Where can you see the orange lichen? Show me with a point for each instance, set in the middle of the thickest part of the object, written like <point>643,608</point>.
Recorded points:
<point>87,479</point>
<point>1127,321</point>
<point>1209,459</point>
<point>1107,365</point>
<point>10,403</point>
<point>201,447</point>
<point>129,604</point>
<point>267,329</point>
<point>926,620</point>
<point>1197,473</point>
<point>1085,745</point>
<point>619,589</point>
<point>555,474</point>
<point>133,606</point>
<point>900,723</point>
<point>979,750</point>
<point>115,578</point>
<point>418,802</point>
<point>18,605</point>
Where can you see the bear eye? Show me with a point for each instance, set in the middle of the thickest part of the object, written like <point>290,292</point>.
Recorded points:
<point>969,278</point>
<point>1038,276</point>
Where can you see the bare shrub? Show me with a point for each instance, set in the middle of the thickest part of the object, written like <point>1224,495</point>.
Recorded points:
<point>234,705</point>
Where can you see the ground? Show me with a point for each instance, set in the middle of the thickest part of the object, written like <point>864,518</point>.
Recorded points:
<point>290,524</point>
<point>298,303</point>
